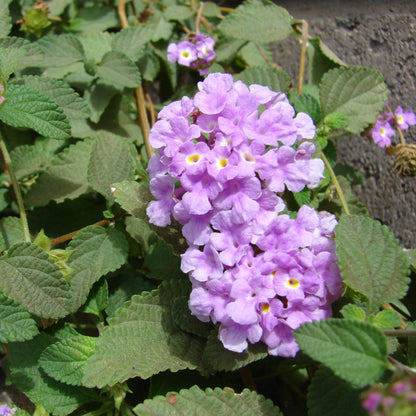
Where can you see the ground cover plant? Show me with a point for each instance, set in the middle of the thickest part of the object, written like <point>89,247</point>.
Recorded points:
<point>177,236</point>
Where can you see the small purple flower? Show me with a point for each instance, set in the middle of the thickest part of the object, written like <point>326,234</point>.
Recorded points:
<point>404,118</point>
<point>382,132</point>
<point>372,401</point>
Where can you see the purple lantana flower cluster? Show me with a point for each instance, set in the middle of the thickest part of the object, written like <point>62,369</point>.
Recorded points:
<point>5,410</point>
<point>222,158</point>
<point>197,52</point>
<point>383,129</point>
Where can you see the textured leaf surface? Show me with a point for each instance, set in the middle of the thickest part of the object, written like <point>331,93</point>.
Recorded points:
<point>27,108</point>
<point>218,358</point>
<point>118,70</point>
<point>359,93</point>
<point>96,252</point>
<point>11,232</point>
<point>258,21</point>
<point>65,177</point>
<point>12,51</point>
<point>31,277</point>
<point>131,41</point>
<point>5,20</point>
<point>65,360</point>
<point>27,160</point>
<point>141,340</point>
<point>16,323</point>
<point>26,374</point>
<point>277,80</point>
<point>207,403</point>
<point>73,106</point>
<point>133,197</point>
<point>371,260</point>
<point>363,348</point>
<point>61,50</point>
<point>96,45</point>
<point>330,395</point>
<point>98,95</point>
<point>110,162</point>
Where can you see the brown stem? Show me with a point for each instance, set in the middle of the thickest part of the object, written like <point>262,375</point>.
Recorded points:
<point>198,16</point>
<point>122,13</point>
<point>152,109</point>
<point>303,56</point>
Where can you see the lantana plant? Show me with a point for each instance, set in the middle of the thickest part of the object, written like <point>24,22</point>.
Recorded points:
<point>176,234</point>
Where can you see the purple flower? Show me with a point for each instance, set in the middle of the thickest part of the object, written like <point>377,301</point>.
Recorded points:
<point>404,118</point>
<point>382,132</point>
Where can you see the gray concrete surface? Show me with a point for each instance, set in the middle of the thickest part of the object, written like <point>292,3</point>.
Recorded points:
<point>382,35</point>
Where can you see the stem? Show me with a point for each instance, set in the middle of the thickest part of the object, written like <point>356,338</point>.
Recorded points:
<point>303,55</point>
<point>400,332</point>
<point>336,183</point>
<point>16,189</point>
<point>226,9</point>
<point>198,16</point>
<point>141,104</point>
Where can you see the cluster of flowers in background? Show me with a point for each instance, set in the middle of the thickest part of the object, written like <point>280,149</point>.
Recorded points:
<point>5,410</point>
<point>384,127</point>
<point>222,158</point>
<point>197,52</point>
<point>397,398</point>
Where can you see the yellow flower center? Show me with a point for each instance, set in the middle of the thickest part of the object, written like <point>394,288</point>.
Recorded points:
<point>185,54</point>
<point>222,163</point>
<point>264,307</point>
<point>193,158</point>
<point>293,282</point>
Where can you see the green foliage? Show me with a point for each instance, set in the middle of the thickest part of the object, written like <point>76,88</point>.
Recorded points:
<point>358,93</point>
<point>371,260</point>
<point>275,79</point>
<point>207,403</point>
<point>257,20</point>
<point>363,348</point>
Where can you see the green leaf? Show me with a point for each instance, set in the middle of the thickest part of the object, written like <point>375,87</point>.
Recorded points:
<point>371,260</point>
<point>96,45</point>
<point>159,27</point>
<point>97,18</point>
<point>207,403</point>
<point>98,96</point>
<point>218,358</point>
<point>141,232</point>
<point>26,374</point>
<point>131,41</point>
<point>61,50</point>
<point>336,121</point>
<point>11,232</point>
<point>97,299</point>
<point>28,160</point>
<point>351,311</point>
<point>210,9</point>
<point>308,104</point>
<point>330,395</point>
<point>320,60</point>
<point>15,322</point>
<point>177,12</point>
<point>12,51</point>
<point>32,278</point>
<point>161,263</point>
<point>96,252</point>
<point>257,21</point>
<point>149,66</point>
<point>275,79</point>
<point>254,54</point>
<point>27,108</point>
<point>302,197</point>
<point>65,177</point>
<point>362,346</point>
<point>5,19</point>
<point>133,197</point>
<point>358,93</point>
<point>119,71</point>
<point>226,49</point>
<point>386,319</point>
<point>110,162</point>
<point>65,360</point>
<point>141,340</point>
<point>73,106</point>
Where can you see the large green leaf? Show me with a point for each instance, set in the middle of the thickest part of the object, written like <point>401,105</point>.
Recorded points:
<point>98,96</point>
<point>61,50</point>
<point>110,162</point>
<point>96,252</point>
<point>353,350</point>
<point>118,70</point>
<point>65,177</point>
<point>73,106</point>
<point>16,323</point>
<point>96,45</point>
<point>330,395</point>
<point>57,398</point>
<point>131,41</point>
<point>141,340</point>
<point>207,403</point>
<point>25,107</point>
<point>28,160</point>
<point>12,51</point>
<point>371,260</point>
<point>32,278</point>
<point>11,232</point>
<point>275,79</point>
<point>359,93</point>
<point>65,360</point>
<point>258,21</point>
<point>5,19</point>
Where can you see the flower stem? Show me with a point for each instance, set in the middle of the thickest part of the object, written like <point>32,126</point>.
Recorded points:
<point>303,55</point>
<point>198,16</point>
<point>16,189</point>
<point>336,183</point>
